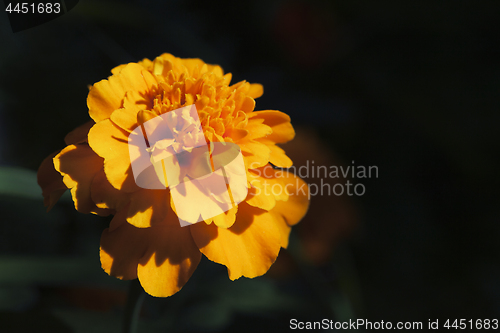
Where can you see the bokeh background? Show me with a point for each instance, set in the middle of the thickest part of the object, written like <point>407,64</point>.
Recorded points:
<point>410,87</point>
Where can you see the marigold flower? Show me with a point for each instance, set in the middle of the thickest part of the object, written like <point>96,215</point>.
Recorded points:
<point>145,239</point>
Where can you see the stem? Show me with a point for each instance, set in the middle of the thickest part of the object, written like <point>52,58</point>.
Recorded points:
<point>135,299</point>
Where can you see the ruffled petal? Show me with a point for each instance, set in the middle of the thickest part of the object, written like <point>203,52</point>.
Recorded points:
<point>284,228</point>
<point>163,257</point>
<point>256,90</point>
<point>150,208</point>
<point>125,118</point>
<point>279,122</point>
<point>260,196</point>
<point>50,181</point>
<point>79,164</point>
<point>278,157</point>
<point>256,154</point>
<point>122,248</point>
<point>226,219</point>
<point>248,248</point>
<point>107,95</point>
<point>290,212</point>
<point>105,195</point>
<point>111,143</point>
<point>136,101</point>
<point>193,65</point>
<point>295,208</point>
<point>268,183</point>
<point>257,129</point>
<point>169,262</point>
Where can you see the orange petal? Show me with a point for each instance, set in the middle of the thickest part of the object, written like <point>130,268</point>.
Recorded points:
<point>248,248</point>
<point>260,197</point>
<point>122,248</point>
<point>283,227</point>
<point>257,129</point>
<point>50,181</point>
<point>79,134</point>
<point>118,69</point>
<point>145,115</point>
<point>279,122</point>
<point>278,157</point>
<point>170,260</point>
<point>111,143</point>
<point>256,154</point>
<point>193,64</point>
<point>107,95</point>
<point>163,257</point>
<point>147,64</point>
<point>256,90</point>
<point>226,219</point>
<point>105,195</point>
<point>126,118</point>
<point>290,206</point>
<point>248,104</point>
<point>294,209</point>
<point>269,181</point>
<point>163,64</point>
<point>236,134</point>
<point>79,164</point>
<point>136,100</point>
<point>150,208</point>
<point>216,69</point>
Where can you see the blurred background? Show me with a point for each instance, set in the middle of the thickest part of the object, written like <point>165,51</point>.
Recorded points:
<point>410,87</point>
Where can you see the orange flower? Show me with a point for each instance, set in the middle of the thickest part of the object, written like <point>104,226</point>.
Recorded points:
<point>145,239</point>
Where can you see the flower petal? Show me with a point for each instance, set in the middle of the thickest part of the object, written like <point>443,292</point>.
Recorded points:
<point>256,154</point>
<point>126,118</point>
<point>259,196</point>
<point>107,95</point>
<point>278,157</point>
<point>79,164</point>
<point>122,248</point>
<point>279,122</point>
<point>50,181</point>
<point>236,134</point>
<point>256,90</point>
<point>171,259</point>
<point>111,143</point>
<point>248,248</point>
<point>294,209</point>
<point>283,227</point>
<point>257,129</point>
<point>135,100</point>
<point>105,195</point>
<point>226,219</point>
<point>268,182</point>
<point>163,257</point>
<point>151,207</point>
<point>193,64</point>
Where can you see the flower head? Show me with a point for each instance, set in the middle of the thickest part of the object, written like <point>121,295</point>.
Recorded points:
<point>145,239</point>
